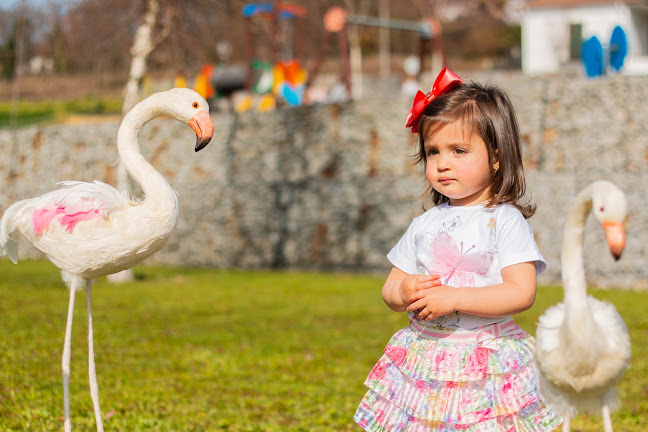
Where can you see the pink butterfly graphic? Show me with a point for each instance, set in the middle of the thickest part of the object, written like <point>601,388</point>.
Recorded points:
<point>456,266</point>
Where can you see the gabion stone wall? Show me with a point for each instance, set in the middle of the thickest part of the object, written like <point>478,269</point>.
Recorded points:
<point>333,187</point>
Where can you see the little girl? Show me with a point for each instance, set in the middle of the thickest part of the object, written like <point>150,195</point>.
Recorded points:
<point>460,271</point>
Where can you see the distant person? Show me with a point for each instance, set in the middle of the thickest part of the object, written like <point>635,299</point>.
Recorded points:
<point>461,270</point>
<point>412,68</point>
<point>409,86</point>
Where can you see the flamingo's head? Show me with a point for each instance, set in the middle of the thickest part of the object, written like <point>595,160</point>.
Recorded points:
<point>188,106</point>
<point>609,207</point>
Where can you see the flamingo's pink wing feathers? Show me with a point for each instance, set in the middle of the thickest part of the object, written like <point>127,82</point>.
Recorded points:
<point>75,202</point>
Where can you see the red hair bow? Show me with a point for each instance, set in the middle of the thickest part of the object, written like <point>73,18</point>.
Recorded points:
<point>445,82</point>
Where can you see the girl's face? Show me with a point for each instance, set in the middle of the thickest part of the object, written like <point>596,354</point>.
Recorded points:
<point>458,165</point>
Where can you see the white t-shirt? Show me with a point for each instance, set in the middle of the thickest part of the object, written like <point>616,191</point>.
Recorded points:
<point>466,246</point>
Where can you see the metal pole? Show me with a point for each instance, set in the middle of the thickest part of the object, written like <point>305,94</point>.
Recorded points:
<point>420,27</point>
<point>318,60</point>
<point>346,69</point>
<point>384,48</point>
<point>249,53</point>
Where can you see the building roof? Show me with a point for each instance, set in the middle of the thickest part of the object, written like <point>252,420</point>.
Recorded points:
<point>536,4</point>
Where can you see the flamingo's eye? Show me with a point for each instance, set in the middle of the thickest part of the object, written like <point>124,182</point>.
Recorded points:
<point>602,209</point>
<point>195,105</point>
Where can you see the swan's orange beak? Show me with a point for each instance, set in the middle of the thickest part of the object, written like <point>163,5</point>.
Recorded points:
<point>616,238</point>
<point>201,124</point>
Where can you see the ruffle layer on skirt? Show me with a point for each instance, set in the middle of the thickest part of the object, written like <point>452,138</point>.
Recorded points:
<point>454,401</point>
<point>432,359</point>
<point>376,414</point>
<point>429,384</point>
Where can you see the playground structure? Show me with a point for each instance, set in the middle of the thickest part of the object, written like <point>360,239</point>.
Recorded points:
<point>282,80</point>
<point>336,19</point>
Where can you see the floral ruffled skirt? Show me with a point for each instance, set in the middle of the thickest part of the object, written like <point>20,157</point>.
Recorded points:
<point>433,380</point>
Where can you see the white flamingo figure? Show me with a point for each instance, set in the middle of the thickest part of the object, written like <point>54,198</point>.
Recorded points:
<point>582,344</point>
<point>92,229</point>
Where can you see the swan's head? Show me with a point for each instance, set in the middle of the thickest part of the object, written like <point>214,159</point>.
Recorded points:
<point>609,207</point>
<point>188,106</point>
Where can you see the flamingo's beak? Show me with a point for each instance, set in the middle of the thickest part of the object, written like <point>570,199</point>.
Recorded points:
<point>201,124</point>
<point>616,238</point>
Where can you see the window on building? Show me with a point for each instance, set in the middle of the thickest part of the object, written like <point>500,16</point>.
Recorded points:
<point>575,41</point>
<point>640,22</point>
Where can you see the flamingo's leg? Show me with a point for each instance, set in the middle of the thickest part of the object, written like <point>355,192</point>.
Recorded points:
<point>66,362</point>
<point>565,426</point>
<point>92,373</point>
<point>607,420</point>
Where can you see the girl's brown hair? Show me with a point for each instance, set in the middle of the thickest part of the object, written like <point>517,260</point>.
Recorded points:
<point>488,112</point>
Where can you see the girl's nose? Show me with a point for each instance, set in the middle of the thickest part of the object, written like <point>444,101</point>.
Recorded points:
<point>443,162</point>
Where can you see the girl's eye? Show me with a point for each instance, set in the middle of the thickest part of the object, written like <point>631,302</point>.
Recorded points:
<point>459,151</point>
<point>432,152</point>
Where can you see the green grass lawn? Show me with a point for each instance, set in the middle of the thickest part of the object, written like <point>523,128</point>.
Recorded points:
<point>43,112</point>
<point>215,350</point>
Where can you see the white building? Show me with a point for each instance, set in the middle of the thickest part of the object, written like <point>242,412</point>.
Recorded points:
<point>553,32</point>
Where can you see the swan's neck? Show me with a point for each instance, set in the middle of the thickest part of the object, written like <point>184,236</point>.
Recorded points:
<point>578,317</point>
<point>573,270</point>
<point>156,189</point>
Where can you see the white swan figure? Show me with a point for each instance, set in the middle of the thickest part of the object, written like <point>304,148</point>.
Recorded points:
<point>91,229</point>
<point>582,344</point>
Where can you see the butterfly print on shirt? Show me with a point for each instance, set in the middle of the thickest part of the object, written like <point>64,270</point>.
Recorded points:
<point>455,265</point>
<point>450,225</point>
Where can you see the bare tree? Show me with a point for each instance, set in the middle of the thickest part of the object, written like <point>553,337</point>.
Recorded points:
<point>21,31</point>
<point>495,8</point>
<point>99,34</point>
<point>356,7</point>
<point>144,42</point>
<point>108,26</point>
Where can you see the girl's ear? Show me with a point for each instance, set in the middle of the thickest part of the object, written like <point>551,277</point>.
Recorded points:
<point>496,162</point>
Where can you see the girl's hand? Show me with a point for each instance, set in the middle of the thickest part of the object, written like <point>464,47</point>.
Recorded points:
<point>412,284</point>
<point>515,294</point>
<point>434,302</point>
<point>401,286</point>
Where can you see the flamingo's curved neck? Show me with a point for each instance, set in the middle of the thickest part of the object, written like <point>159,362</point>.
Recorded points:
<point>156,189</point>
